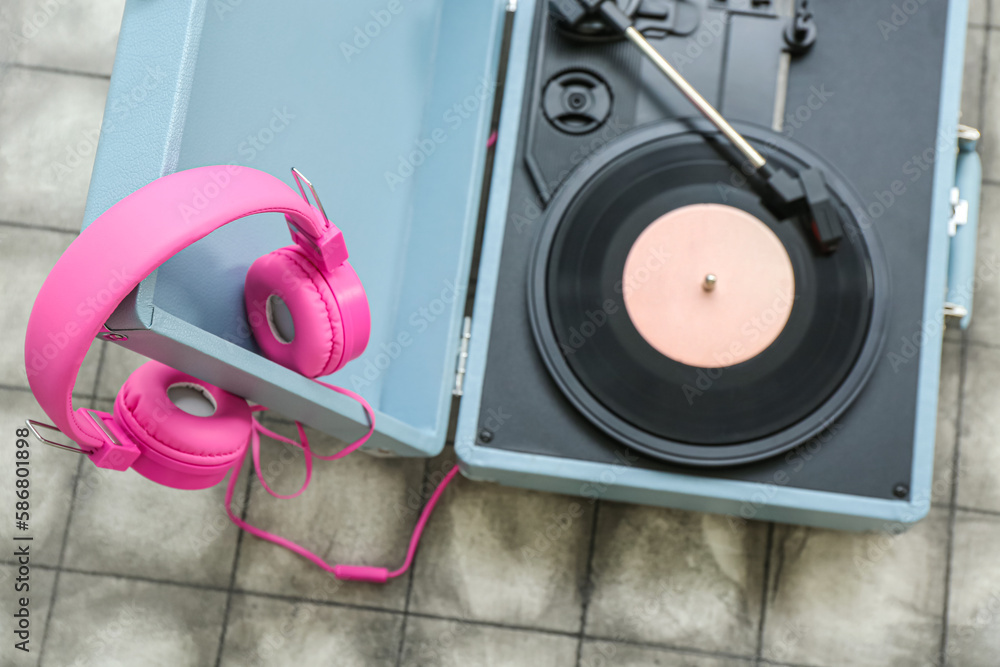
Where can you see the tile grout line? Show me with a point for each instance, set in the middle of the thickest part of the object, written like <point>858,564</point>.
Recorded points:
<point>587,588</point>
<point>424,479</point>
<point>769,543</point>
<point>46,228</point>
<point>674,649</point>
<point>57,70</point>
<point>232,573</point>
<point>976,510</point>
<point>952,510</point>
<point>27,390</point>
<point>53,598</point>
<point>983,344</point>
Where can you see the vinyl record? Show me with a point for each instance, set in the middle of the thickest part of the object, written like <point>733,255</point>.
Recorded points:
<point>745,406</point>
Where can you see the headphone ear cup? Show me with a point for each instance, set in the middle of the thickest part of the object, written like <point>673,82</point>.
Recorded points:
<point>303,318</point>
<point>182,449</point>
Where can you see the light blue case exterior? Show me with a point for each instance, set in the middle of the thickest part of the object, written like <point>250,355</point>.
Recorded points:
<point>346,92</point>
<point>769,502</point>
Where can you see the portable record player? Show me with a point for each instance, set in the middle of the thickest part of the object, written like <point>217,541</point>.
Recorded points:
<point>648,328</point>
<point>777,374</point>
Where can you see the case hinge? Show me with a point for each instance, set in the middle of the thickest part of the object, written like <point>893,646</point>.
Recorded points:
<point>463,356</point>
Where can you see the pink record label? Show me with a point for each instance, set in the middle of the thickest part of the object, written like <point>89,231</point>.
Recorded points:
<point>708,285</point>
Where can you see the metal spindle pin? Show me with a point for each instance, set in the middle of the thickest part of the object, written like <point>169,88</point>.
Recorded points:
<point>709,284</point>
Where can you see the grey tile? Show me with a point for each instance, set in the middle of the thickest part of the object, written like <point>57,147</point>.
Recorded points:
<point>66,35</point>
<point>118,365</point>
<point>985,325</point>
<point>126,524</point>
<point>974,607</point>
<point>266,631</point>
<point>105,621</point>
<point>977,12</point>
<point>504,555</point>
<point>990,123</point>
<point>51,124</point>
<point>459,643</point>
<point>28,255</point>
<point>975,42</point>
<point>980,455</point>
<point>947,416</point>
<point>684,579</point>
<point>602,653</point>
<point>50,481</point>
<point>39,584</point>
<point>354,512</point>
<point>857,599</point>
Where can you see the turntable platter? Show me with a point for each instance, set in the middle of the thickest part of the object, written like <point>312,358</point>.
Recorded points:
<point>677,369</point>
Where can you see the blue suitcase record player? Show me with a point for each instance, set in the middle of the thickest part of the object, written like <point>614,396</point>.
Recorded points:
<point>527,197</point>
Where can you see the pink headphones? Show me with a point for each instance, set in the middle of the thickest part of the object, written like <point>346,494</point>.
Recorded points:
<point>305,304</point>
<point>312,279</point>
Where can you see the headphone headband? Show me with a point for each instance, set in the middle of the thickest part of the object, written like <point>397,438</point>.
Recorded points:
<point>124,246</point>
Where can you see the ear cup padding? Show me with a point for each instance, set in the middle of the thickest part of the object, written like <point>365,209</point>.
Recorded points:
<point>144,410</point>
<point>318,345</point>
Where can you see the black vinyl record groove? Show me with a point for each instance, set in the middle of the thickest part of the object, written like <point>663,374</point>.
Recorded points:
<point>731,415</point>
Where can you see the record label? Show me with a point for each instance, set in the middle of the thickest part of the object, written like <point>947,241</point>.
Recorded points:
<point>708,285</point>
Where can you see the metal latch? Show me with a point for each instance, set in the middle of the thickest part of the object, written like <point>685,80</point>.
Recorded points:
<point>959,211</point>
<point>463,356</point>
<point>955,310</point>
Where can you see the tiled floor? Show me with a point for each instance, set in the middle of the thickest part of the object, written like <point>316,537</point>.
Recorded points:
<point>129,573</point>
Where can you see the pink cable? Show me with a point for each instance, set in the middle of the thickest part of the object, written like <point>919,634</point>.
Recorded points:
<point>357,443</point>
<point>418,530</point>
<point>255,431</point>
<point>344,572</point>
